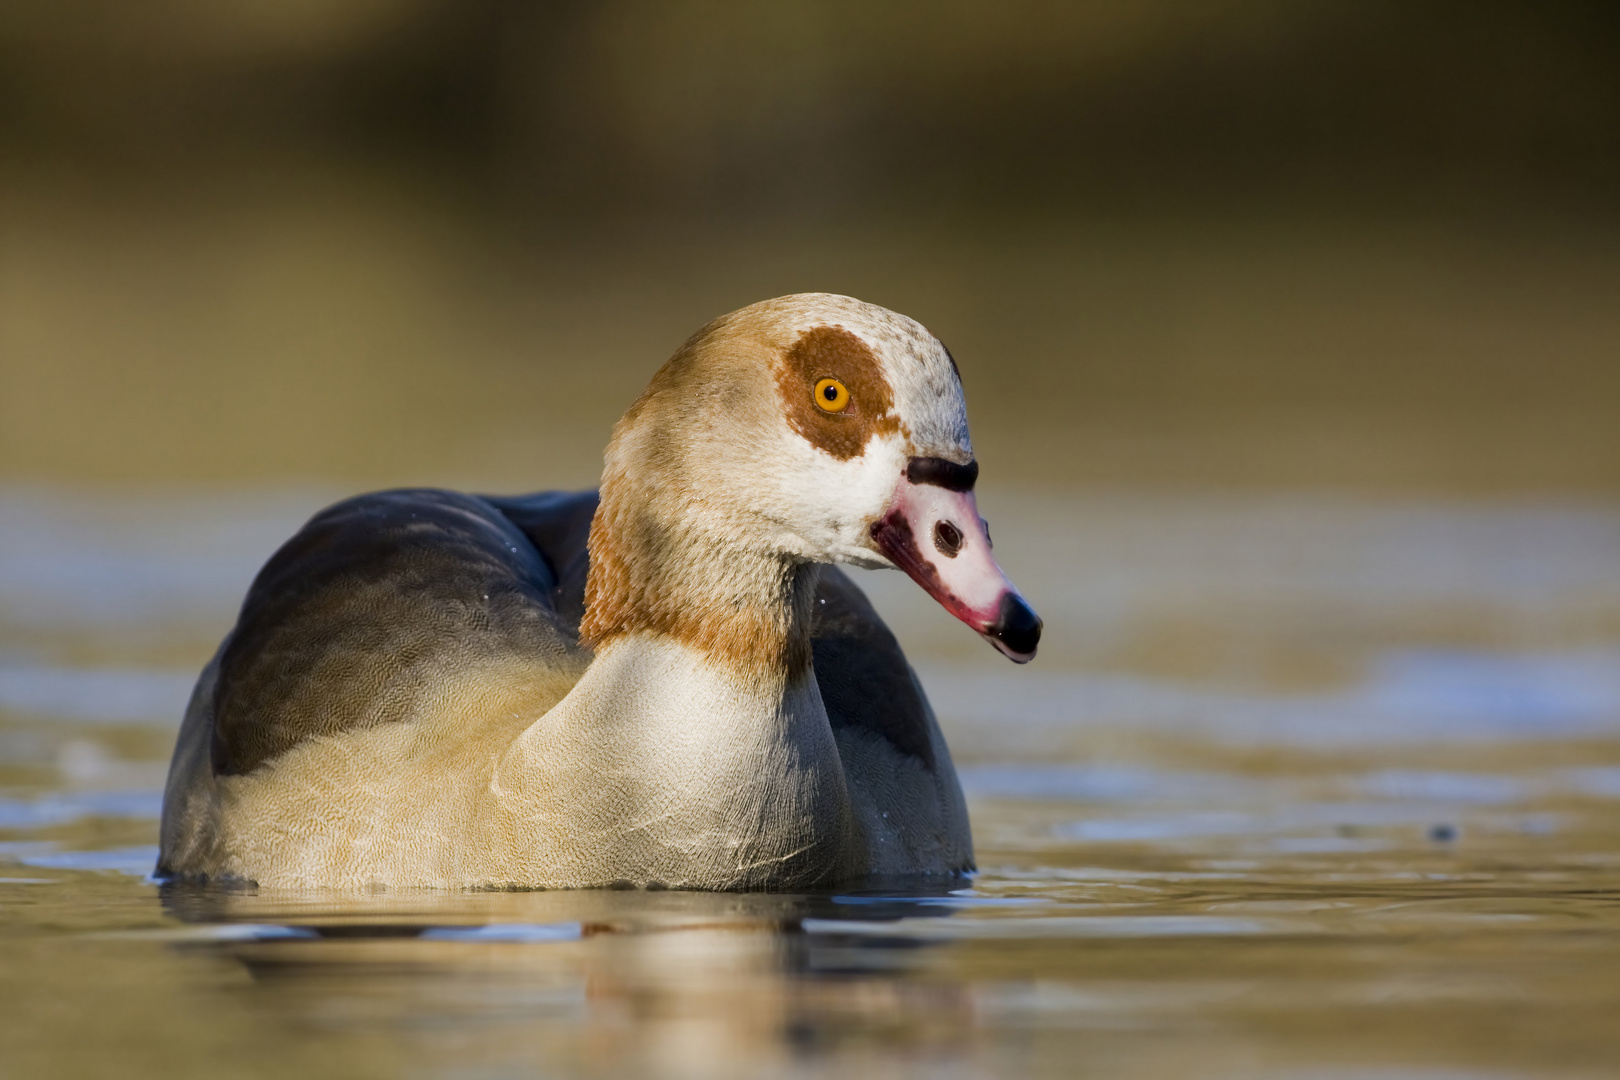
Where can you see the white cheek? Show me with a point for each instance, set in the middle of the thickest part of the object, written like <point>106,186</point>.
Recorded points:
<point>825,506</point>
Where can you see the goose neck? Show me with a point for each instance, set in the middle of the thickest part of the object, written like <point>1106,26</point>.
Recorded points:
<point>741,604</point>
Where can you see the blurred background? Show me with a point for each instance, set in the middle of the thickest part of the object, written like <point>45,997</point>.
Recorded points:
<point>1290,331</point>
<point>1314,243</point>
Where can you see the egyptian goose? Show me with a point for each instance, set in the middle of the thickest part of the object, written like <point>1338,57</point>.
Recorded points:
<point>661,685</point>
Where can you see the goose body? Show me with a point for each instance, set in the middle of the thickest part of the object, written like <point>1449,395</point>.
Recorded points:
<point>660,684</point>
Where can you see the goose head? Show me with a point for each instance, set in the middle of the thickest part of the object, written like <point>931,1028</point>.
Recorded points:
<point>812,428</point>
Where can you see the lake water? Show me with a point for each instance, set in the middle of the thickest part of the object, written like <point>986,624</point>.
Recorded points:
<point>1300,786</point>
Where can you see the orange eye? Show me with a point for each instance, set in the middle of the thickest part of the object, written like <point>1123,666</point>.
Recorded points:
<point>831,395</point>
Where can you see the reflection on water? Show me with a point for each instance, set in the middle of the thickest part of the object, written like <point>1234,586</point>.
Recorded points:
<point>1303,788</point>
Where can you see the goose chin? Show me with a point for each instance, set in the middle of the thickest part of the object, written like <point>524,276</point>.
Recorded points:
<point>935,534</point>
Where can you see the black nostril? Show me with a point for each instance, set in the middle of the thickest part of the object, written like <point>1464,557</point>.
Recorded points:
<point>985,525</point>
<point>1017,626</point>
<point>947,539</point>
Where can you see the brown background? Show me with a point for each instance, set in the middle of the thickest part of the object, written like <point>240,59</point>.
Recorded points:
<point>1309,243</point>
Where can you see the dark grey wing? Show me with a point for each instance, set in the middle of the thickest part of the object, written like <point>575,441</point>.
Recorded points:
<point>374,603</point>
<point>558,524</point>
<point>864,678</point>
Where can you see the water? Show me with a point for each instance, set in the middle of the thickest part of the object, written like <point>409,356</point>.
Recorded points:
<point>1299,787</point>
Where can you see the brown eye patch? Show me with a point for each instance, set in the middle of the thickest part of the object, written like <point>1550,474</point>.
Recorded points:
<point>831,352</point>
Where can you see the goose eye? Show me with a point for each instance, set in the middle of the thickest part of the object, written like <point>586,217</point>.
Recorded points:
<point>832,395</point>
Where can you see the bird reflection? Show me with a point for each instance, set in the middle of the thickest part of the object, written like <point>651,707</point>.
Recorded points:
<point>660,983</point>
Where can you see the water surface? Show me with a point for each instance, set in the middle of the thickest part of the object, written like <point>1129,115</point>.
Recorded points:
<point>1300,786</point>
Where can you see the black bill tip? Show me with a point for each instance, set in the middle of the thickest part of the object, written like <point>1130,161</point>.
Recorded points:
<point>1017,629</point>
